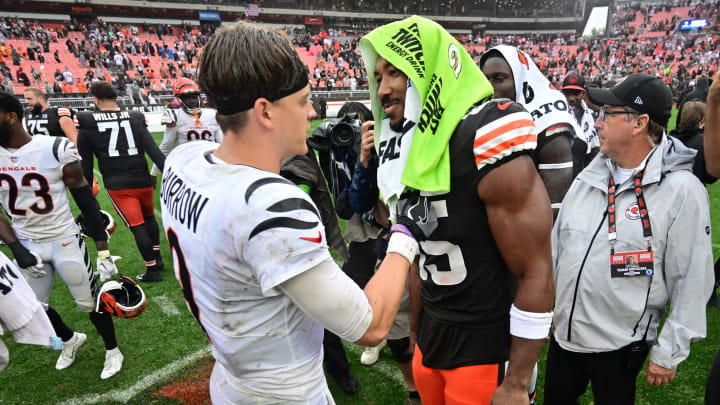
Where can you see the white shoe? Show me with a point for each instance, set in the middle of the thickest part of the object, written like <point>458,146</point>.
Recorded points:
<point>67,356</point>
<point>113,364</point>
<point>370,355</point>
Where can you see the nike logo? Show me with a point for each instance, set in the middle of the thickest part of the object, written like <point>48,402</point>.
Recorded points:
<point>67,244</point>
<point>502,107</point>
<point>316,240</point>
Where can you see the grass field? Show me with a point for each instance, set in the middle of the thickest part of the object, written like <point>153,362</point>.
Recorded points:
<point>165,345</point>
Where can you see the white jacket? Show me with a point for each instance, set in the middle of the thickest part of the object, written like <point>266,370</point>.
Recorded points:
<point>597,313</point>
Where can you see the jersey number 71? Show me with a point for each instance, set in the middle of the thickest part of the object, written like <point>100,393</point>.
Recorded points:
<point>114,127</point>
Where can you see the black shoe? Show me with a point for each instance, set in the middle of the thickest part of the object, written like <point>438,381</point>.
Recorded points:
<point>150,277</point>
<point>159,265</point>
<point>349,384</point>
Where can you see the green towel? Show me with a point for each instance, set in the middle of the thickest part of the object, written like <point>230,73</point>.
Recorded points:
<point>449,84</point>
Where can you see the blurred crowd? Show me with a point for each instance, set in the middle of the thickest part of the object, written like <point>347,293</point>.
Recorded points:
<point>142,59</point>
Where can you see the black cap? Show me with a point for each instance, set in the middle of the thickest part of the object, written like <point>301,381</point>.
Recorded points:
<point>573,81</point>
<point>644,93</point>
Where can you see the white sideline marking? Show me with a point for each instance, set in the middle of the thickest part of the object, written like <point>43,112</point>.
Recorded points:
<point>158,213</point>
<point>97,173</point>
<point>716,246</point>
<point>166,305</point>
<point>382,366</point>
<point>126,394</point>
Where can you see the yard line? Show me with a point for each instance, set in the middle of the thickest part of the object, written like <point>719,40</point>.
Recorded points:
<point>158,213</point>
<point>167,306</point>
<point>382,366</point>
<point>126,394</point>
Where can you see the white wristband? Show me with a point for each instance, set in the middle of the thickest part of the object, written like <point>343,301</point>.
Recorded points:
<point>404,245</point>
<point>529,325</point>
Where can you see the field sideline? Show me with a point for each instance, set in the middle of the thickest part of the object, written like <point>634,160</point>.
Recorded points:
<point>165,345</point>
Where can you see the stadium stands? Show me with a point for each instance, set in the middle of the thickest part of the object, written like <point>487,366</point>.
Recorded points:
<point>646,39</point>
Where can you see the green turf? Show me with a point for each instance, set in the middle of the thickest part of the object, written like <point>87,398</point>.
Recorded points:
<point>155,340</point>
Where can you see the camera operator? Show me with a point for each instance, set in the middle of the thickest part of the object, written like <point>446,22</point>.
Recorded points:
<point>364,198</point>
<point>356,201</point>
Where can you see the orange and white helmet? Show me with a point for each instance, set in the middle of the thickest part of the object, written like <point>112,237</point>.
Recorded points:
<point>188,93</point>
<point>122,298</point>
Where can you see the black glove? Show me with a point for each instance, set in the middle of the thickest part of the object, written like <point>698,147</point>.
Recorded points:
<point>417,215</point>
<point>23,257</point>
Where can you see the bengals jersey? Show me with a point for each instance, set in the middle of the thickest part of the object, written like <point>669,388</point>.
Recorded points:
<point>181,128</point>
<point>48,121</point>
<point>120,140</point>
<point>467,288</point>
<point>32,189</point>
<point>235,246</point>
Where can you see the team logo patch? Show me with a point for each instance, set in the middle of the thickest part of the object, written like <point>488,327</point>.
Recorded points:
<point>638,100</point>
<point>632,212</point>
<point>572,79</point>
<point>454,57</point>
<point>14,159</point>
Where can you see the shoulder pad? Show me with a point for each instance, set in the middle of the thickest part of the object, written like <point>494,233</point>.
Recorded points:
<point>558,129</point>
<point>64,112</point>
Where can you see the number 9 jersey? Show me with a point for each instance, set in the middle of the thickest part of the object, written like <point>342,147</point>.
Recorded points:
<point>33,191</point>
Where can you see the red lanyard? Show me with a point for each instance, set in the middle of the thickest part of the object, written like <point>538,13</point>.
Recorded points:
<point>644,215</point>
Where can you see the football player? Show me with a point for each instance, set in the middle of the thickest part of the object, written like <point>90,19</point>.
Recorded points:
<point>20,311</point>
<point>249,246</point>
<point>120,140</point>
<point>189,121</point>
<point>44,237</point>
<point>44,120</point>
<point>484,289</point>
<point>515,76</point>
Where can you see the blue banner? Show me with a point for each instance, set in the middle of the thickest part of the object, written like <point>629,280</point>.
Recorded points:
<point>687,25</point>
<point>209,15</point>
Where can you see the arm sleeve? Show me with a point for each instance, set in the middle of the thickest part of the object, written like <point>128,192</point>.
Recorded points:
<point>286,236</point>
<point>168,143</point>
<point>689,275</point>
<point>152,149</point>
<point>86,153</point>
<point>330,297</point>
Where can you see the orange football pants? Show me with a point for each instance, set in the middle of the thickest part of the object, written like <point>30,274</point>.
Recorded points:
<point>469,385</point>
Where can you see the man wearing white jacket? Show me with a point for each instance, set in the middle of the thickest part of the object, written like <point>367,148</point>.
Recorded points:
<point>633,233</point>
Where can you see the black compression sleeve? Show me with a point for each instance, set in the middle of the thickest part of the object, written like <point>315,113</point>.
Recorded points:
<point>91,212</point>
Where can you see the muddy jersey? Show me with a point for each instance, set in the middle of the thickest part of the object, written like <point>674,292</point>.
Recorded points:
<point>467,288</point>
<point>32,189</point>
<point>237,233</point>
<point>120,140</point>
<point>48,121</point>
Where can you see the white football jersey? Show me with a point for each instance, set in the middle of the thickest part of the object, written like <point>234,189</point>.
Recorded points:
<point>32,190</point>
<point>236,233</point>
<point>181,128</point>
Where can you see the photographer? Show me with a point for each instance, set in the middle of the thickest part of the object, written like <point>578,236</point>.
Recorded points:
<point>367,245</point>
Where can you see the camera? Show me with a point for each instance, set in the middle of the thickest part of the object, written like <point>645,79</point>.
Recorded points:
<point>345,132</point>
<point>338,138</point>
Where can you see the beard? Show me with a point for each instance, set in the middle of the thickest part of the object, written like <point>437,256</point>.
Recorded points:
<point>5,133</point>
<point>37,108</point>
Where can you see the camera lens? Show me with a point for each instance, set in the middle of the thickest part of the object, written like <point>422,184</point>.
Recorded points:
<point>343,135</point>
